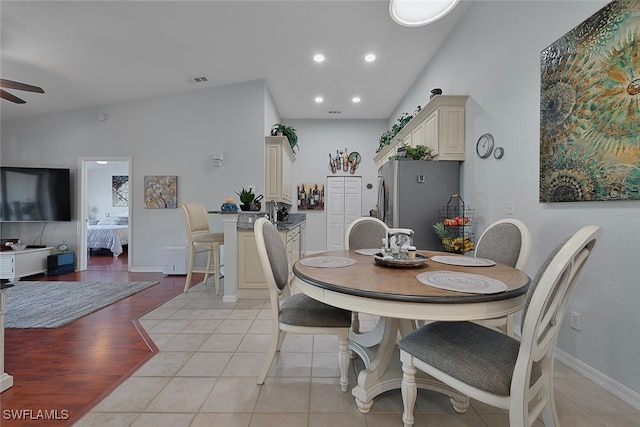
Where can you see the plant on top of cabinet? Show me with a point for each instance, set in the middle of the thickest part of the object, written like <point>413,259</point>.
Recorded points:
<point>289,131</point>
<point>419,152</point>
<point>246,197</point>
<point>387,137</point>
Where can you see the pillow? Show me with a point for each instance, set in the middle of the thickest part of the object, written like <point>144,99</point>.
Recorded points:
<point>116,220</point>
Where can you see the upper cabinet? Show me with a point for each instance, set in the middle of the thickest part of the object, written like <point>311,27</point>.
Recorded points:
<point>439,126</point>
<point>279,170</point>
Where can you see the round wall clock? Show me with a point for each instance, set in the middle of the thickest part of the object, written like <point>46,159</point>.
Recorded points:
<point>484,146</point>
<point>498,153</point>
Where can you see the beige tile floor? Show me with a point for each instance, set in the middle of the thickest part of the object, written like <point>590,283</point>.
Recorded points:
<point>212,352</point>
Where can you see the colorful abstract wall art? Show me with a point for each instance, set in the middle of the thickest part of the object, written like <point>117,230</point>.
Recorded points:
<point>161,192</point>
<point>590,109</point>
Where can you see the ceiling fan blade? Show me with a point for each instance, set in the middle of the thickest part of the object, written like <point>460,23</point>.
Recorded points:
<point>6,95</point>
<point>10,84</point>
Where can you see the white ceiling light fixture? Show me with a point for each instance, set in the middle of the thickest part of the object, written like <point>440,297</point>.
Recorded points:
<point>355,99</point>
<point>319,99</point>
<point>318,57</point>
<point>370,57</point>
<point>414,13</point>
<point>102,162</point>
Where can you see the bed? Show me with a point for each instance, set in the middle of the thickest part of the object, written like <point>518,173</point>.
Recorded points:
<point>110,233</point>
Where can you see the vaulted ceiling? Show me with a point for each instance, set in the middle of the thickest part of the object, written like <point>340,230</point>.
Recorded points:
<point>89,53</point>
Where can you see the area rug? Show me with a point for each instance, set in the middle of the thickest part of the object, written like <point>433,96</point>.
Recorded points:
<point>53,304</point>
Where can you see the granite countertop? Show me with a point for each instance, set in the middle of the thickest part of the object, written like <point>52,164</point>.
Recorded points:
<point>246,220</point>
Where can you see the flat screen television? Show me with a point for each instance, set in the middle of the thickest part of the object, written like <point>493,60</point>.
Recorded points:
<point>34,194</point>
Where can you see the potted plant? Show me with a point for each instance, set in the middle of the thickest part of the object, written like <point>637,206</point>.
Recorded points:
<point>246,197</point>
<point>289,131</point>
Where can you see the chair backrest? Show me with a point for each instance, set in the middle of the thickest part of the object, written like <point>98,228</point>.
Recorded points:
<point>507,241</point>
<point>196,219</point>
<point>547,299</point>
<point>273,258</point>
<point>365,233</point>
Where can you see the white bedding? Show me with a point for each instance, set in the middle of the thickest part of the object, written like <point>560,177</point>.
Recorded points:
<point>110,237</point>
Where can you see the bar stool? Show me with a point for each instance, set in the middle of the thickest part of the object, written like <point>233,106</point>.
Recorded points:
<point>202,240</point>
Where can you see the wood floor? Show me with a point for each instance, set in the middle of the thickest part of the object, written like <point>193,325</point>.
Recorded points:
<point>67,370</point>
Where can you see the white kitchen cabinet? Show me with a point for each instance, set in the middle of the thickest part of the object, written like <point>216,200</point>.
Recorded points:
<point>279,158</point>
<point>440,125</point>
<point>251,281</point>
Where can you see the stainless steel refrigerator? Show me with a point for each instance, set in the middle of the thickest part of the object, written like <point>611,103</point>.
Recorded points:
<point>411,194</point>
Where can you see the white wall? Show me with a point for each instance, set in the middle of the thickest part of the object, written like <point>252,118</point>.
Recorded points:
<point>318,138</point>
<point>99,195</point>
<point>493,55</point>
<point>167,135</point>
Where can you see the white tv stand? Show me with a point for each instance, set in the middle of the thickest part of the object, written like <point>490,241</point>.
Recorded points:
<point>17,264</point>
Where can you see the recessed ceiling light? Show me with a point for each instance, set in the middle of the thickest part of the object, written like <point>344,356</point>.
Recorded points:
<point>319,99</point>
<point>355,99</point>
<point>318,57</point>
<point>101,162</point>
<point>370,57</point>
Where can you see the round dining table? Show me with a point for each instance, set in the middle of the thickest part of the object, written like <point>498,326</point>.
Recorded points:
<point>355,281</point>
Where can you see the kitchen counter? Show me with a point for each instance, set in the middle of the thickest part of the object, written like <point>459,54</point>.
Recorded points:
<point>246,220</point>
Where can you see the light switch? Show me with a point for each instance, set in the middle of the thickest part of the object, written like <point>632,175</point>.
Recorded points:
<point>420,178</point>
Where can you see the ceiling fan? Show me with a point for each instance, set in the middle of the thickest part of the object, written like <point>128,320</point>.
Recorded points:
<point>10,84</point>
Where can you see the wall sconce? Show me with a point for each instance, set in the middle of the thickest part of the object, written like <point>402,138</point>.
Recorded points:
<point>217,159</point>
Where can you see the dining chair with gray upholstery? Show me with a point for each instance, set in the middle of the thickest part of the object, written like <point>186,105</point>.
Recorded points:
<point>364,233</point>
<point>297,312</point>
<point>201,240</point>
<point>492,367</point>
<point>507,241</point>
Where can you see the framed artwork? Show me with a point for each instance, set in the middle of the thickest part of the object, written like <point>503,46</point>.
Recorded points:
<point>590,109</point>
<point>120,190</point>
<point>310,197</point>
<point>161,192</point>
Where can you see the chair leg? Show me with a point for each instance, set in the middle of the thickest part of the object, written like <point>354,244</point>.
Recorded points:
<point>208,269</point>
<point>187,283</point>
<point>549,414</point>
<point>271,353</point>
<point>355,322</point>
<point>409,392</point>
<point>343,358</point>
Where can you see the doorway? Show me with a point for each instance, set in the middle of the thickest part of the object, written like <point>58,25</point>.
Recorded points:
<point>104,191</point>
<point>343,203</point>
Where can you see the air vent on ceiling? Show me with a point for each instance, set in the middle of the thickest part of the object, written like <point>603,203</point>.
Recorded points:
<point>199,79</point>
<point>335,112</point>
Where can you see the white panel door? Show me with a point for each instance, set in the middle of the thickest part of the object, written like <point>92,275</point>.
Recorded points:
<point>334,206</point>
<point>343,204</point>
<point>352,200</point>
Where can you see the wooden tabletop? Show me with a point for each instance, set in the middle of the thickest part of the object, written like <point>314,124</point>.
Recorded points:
<point>365,278</point>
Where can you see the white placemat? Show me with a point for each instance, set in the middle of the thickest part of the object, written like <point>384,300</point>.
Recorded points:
<point>369,251</point>
<point>464,261</point>
<point>461,282</point>
<point>327,261</point>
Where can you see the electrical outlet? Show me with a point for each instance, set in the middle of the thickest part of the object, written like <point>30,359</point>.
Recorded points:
<point>575,321</point>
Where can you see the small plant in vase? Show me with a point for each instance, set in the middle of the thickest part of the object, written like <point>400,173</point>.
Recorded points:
<point>289,131</point>
<point>246,198</point>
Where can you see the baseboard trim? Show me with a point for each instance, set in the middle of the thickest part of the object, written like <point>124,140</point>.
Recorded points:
<point>619,390</point>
